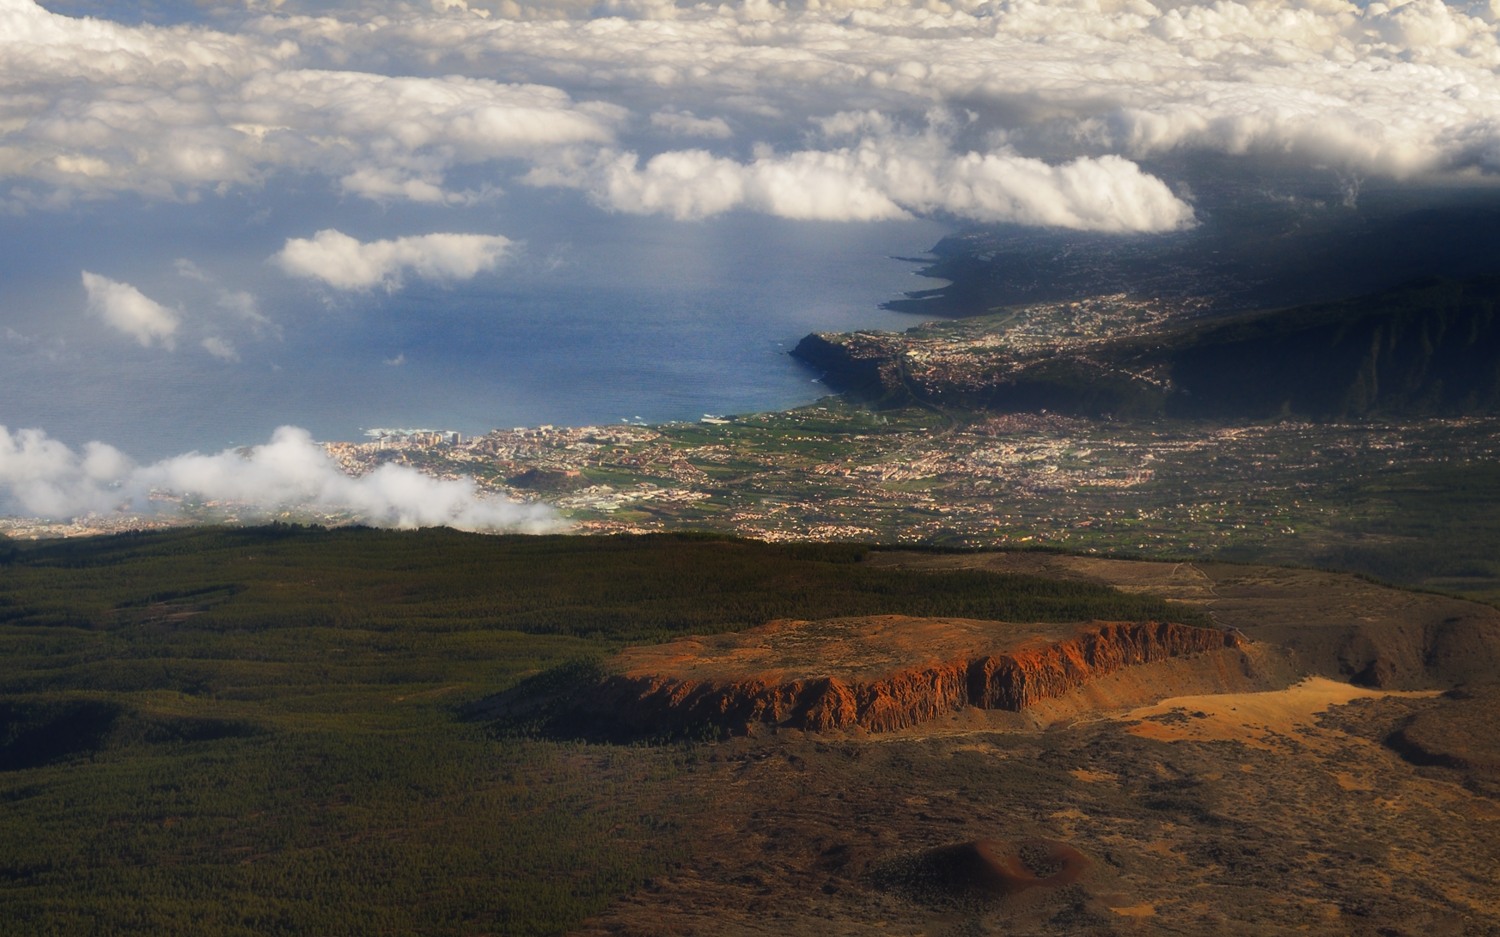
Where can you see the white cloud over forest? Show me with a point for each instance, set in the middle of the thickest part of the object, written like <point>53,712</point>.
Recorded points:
<point>42,477</point>
<point>346,263</point>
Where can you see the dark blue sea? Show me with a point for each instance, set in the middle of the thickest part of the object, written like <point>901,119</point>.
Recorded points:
<point>595,319</point>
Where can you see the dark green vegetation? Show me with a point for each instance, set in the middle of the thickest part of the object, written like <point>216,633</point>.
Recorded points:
<point>1430,348</point>
<point>1415,502</point>
<point>1436,527</point>
<point>255,731</point>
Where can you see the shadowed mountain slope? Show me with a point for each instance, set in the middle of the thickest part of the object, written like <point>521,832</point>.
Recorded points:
<point>1428,348</point>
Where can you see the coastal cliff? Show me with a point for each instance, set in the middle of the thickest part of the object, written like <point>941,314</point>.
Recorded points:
<point>875,674</point>
<point>866,364</point>
<point>891,369</point>
<point>1426,349</point>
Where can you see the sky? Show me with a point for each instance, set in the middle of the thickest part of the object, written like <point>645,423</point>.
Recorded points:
<point>190,188</point>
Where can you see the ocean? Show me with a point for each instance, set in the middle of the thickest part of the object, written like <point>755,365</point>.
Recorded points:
<point>595,319</point>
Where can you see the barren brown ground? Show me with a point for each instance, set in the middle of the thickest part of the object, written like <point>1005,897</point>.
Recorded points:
<point>1254,813</point>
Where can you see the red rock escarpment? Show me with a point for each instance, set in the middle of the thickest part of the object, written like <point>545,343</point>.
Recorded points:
<point>878,674</point>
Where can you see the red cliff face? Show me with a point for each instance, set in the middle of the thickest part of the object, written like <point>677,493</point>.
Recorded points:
<point>1018,680</point>
<point>903,696</point>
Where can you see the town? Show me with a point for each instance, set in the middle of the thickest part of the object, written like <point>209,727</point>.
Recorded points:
<point>1350,494</point>
<point>1293,491</point>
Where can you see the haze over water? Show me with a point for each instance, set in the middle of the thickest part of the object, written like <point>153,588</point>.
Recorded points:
<point>622,318</point>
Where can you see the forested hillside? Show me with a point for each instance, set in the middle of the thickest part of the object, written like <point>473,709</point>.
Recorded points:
<point>260,731</point>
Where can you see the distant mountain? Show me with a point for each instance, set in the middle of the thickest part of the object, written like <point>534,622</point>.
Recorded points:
<point>1432,347</point>
<point>1428,348</point>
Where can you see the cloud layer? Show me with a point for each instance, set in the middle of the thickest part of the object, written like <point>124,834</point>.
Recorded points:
<point>1398,88</point>
<point>41,477</point>
<point>446,105</point>
<point>880,179</point>
<point>92,108</point>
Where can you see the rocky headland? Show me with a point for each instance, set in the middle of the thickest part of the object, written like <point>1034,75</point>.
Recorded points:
<point>1424,349</point>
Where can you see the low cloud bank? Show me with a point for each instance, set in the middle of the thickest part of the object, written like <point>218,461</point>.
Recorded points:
<point>884,178</point>
<point>393,101</point>
<point>42,477</point>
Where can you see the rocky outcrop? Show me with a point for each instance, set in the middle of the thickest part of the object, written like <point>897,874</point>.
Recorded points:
<point>1017,681</point>
<point>891,369</point>
<point>989,665</point>
<point>657,704</point>
<point>1343,627</point>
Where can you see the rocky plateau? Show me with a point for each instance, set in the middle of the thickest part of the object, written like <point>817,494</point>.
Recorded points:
<point>883,673</point>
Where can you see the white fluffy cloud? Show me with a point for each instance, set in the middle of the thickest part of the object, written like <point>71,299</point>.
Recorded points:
<point>42,477</point>
<point>128,310</point>
<point>343,262</point>
<point>881,178</point>
<point>221,348</point>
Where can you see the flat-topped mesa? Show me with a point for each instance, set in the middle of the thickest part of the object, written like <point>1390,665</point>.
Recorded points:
<point>1019,680</point>
<point>878,674</point>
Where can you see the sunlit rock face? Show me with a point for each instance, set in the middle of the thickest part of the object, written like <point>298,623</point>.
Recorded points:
<point>883,673</point>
